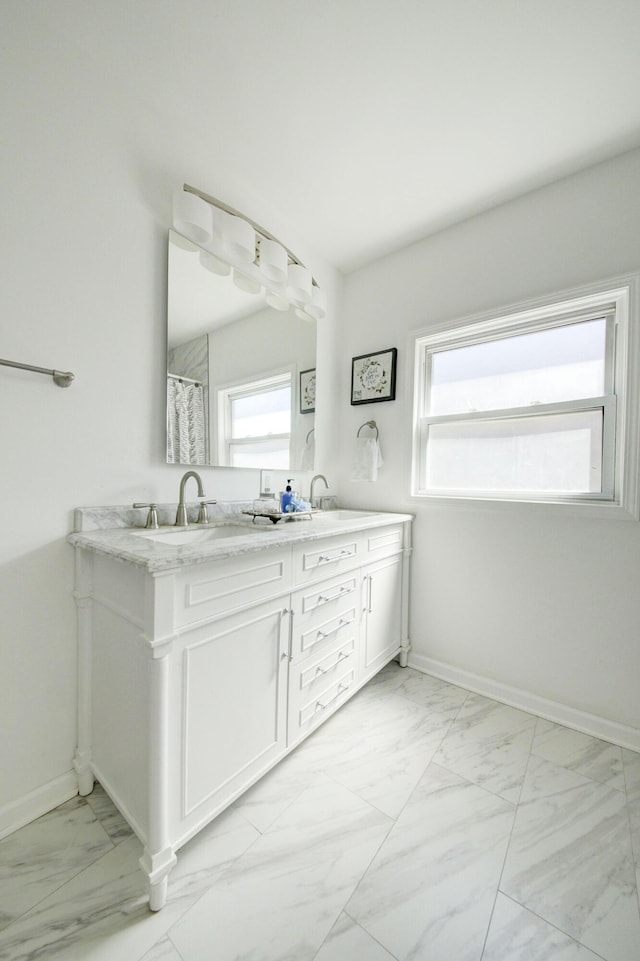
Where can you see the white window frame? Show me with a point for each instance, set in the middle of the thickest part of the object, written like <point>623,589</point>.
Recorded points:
<point>283,378</point>
<point>618,300</point>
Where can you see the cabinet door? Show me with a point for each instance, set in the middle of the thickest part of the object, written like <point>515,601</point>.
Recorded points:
<point>382,614</point>
<point>235,702</point>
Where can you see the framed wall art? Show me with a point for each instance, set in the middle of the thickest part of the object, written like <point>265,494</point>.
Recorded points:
<point>308,391</point>
<point>373,377</point>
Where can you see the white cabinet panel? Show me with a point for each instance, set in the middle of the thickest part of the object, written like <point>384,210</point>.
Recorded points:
<point>223,586</point>
<point>234,703</point>
<point>382,622</point>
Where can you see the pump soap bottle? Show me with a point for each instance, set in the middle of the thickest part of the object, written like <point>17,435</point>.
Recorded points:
<point>286,498</point>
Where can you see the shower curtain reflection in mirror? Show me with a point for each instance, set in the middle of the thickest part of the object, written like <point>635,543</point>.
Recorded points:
<point>186,428</point>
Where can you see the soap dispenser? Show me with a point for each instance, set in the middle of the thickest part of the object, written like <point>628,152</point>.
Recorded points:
<point>286,498</point>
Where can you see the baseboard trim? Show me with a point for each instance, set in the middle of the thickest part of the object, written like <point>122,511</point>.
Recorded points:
<point>26,809</point>
<point>600,727</point>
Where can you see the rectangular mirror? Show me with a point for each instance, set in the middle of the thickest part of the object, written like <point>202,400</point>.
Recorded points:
<point>240,374</point>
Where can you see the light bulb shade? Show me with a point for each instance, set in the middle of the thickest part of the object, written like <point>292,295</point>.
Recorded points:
<point>248,284</point>
<point>192,216</point>
<point>273,260</point>
<point>240,239</point>
<point>214,264</point>
<point>277,301</point>
<point>299,284</point>
<point>318,306</point>
<point>179,240</point>
<point>219,222</point>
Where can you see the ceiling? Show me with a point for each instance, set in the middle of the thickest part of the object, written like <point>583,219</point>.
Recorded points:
<point>369,124</point>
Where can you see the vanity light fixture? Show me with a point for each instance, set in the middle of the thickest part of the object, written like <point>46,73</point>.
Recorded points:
<point>248,284</point>
<point>276,301</point>
<point>318,306</point>
<point>240,239</point>
<point>259,260</point>
<point>214,264</point>
<point>273,260</point>
<point>299,283</point>
<point>192,217</point>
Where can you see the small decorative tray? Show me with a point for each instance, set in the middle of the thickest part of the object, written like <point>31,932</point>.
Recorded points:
<point>275,516</point>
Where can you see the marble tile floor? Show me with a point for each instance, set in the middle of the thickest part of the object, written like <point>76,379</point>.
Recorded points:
<point>420,823</point>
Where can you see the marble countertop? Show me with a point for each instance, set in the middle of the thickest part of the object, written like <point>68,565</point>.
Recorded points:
<point>134,545</point>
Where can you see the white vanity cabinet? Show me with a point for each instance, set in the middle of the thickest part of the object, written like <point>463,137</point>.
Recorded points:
<point>196,679</point>
<point>385,598</point>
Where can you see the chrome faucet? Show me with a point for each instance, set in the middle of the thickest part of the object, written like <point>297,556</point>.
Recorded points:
<point>313,481</point>
<point>181,517</point>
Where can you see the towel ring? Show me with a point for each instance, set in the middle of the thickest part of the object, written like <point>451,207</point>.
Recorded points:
<point>309,435</point>
<point>370,423</point>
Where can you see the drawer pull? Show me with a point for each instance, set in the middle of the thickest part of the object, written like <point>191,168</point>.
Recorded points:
<point>327,558</point>
<point>325,598</point>
<point>321,635</point>
<point>341,689</point>
<point>323,670</point>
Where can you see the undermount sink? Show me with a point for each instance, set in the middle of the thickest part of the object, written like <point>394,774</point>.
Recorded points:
<point>197,535</point>
<point>346,515</point>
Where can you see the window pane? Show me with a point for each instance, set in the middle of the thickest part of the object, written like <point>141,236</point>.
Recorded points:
<point>260,414</point>
<point>268,454</point>
<point>544,367</point>
<point>557,453</point>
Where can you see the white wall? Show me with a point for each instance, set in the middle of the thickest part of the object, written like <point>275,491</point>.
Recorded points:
<point>517,598</point>
<point>88,174</point>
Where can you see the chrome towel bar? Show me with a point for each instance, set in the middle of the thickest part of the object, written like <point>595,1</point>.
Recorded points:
<point>62,378</point>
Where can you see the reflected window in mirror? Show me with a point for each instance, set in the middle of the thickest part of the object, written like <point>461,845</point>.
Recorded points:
<point>255,428</point>
<point>222,337</point>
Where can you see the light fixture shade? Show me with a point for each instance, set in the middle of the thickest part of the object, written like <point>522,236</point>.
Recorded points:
<point>214,264</point>
<point>192,216</point>
<point>219,222</point>
<point>318,306</point>
<point>240,239</point>
<point>248,284</point>
<point>299,284</point>
<point>179,240</point>
<point>277,301</point>
<point>273,260</point>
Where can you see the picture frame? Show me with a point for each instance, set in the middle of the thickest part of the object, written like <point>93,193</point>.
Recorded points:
<point>373,377</point>
<point>308,391</point>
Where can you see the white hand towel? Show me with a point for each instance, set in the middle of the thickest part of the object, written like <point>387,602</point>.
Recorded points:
<point>367,458</point>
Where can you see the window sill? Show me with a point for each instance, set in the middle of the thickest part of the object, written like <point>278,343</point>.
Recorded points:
<point>597,510</point>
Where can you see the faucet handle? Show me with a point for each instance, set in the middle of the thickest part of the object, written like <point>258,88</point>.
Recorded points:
<point>152,517</point>
<point>203,515</point>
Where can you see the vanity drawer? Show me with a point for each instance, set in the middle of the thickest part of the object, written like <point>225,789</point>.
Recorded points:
<point>318,636</point>
<point>318,601</point>
<point>316,694</point>
<point>205,591</point>
<point>328,556</point>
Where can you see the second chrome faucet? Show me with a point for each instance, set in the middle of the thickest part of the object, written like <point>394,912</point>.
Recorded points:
<point>182,518</point>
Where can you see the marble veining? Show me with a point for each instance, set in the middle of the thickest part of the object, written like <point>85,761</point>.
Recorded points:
<point>421,823</point>
<point>489,744</point>
<point>570,860</point>
<point>112,531</point>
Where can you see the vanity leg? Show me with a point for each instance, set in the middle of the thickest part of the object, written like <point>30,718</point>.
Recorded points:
<point>157,868</point>
<point>159,857</point>
<point>86,779</point>
<point>83,598</point>
<point>405,643</point>
<point>158,894</point>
